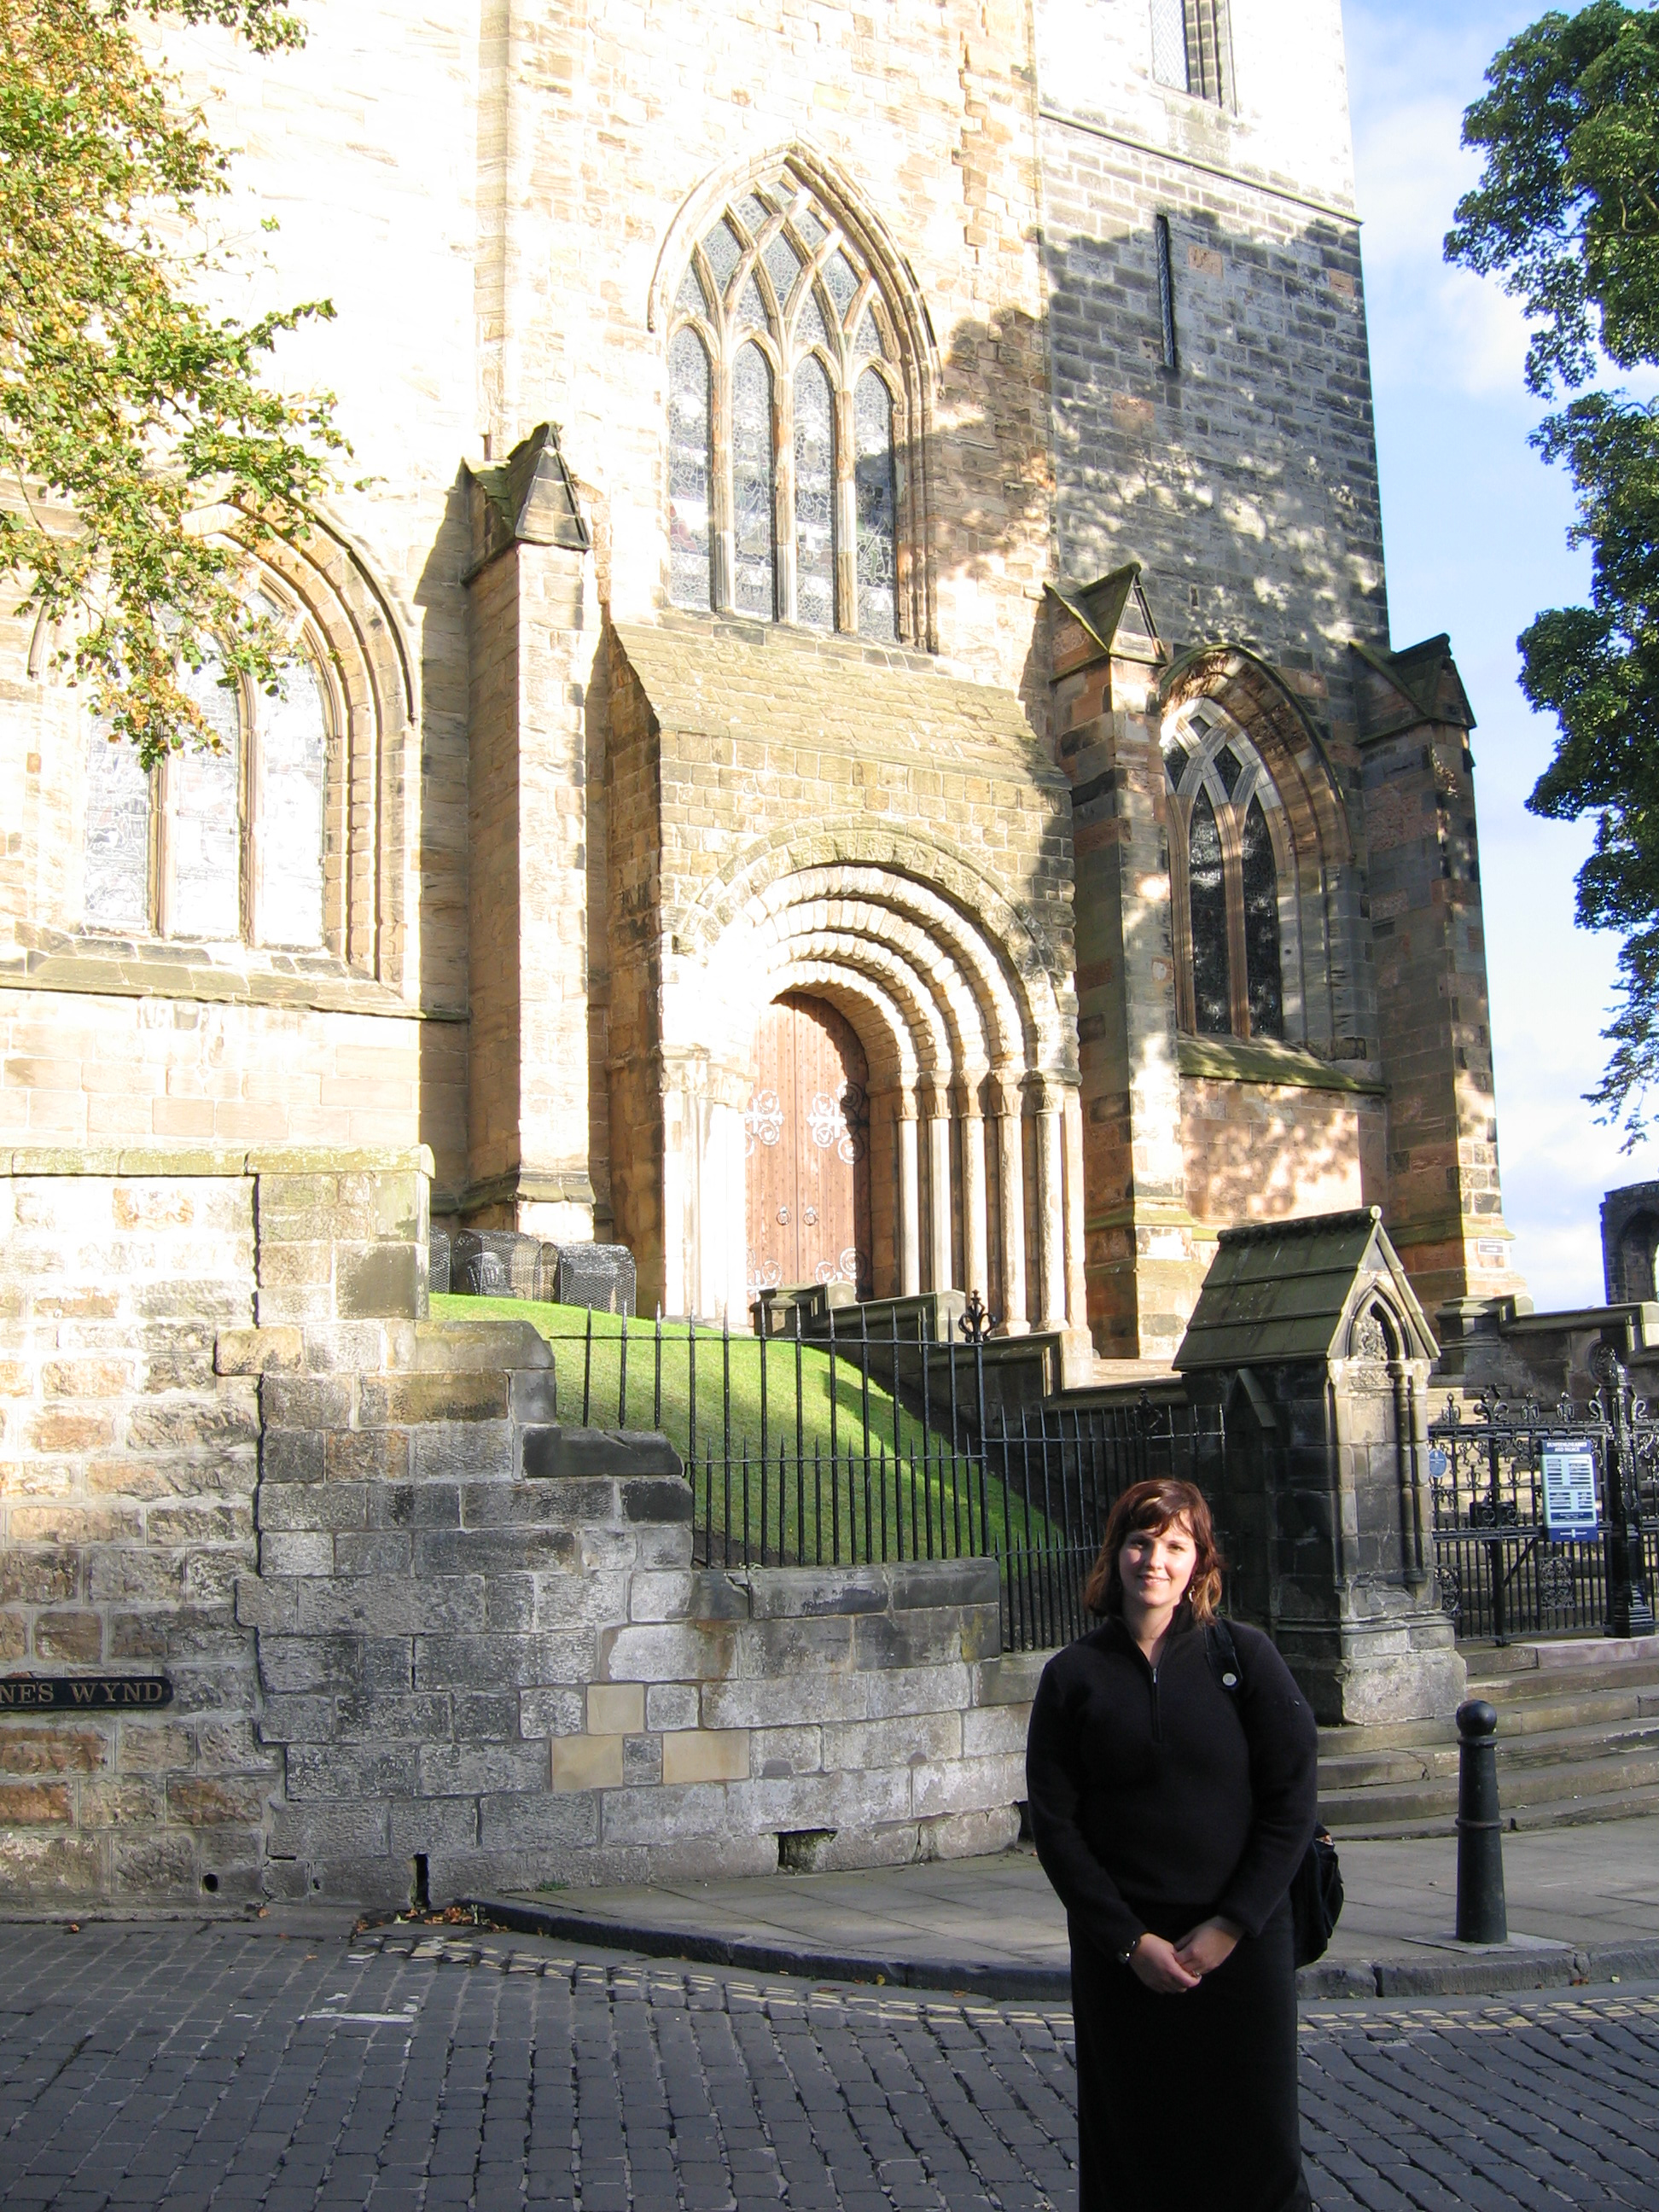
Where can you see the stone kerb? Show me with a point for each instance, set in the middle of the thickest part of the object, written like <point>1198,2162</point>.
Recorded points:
<point>487,1660</point>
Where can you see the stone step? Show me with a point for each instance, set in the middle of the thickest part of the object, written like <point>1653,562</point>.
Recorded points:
<point>1607,1708</point>
<point>1543,1654</point>
<point>1380,1807</point>
<point>1364,1768</point>
<point>1565,1813</point>
<point>1507,1690</point>
<point>1617,1702</point>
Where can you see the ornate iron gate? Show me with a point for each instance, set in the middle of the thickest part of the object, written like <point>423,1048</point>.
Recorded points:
<point>1517,1553</point>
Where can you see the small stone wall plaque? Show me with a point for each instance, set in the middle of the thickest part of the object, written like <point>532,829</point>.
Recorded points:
<point>84,1694</point>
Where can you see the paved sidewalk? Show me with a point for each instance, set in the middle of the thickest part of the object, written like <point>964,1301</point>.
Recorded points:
<point>1584,1906</point>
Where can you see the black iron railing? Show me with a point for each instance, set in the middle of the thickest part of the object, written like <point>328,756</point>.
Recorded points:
<point>856,1448</point>
<point>1512,1557</point>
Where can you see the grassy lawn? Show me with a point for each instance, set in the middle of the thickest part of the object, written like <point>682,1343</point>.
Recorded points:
<point>843,1486</point>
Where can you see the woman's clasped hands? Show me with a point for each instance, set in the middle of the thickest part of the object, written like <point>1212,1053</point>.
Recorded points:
<point>1168,1968</point>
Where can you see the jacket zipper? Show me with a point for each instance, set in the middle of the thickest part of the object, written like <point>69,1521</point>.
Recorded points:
<point>1157,1727</point>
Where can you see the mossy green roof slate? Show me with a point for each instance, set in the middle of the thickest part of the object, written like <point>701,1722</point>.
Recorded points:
<point>1285,1291</point>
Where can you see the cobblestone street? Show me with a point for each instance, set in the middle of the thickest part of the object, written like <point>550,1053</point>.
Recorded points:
<point>187,2066</point>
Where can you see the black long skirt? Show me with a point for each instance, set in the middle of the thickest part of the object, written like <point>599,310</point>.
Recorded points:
<point>1189,2101</point>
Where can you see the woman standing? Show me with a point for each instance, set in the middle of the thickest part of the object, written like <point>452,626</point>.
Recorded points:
<point>1170,1811</point>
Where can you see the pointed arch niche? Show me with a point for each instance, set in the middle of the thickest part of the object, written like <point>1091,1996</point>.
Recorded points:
<point>799,378</point>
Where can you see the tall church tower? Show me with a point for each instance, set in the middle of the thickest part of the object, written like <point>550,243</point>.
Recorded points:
<point>845,728</point>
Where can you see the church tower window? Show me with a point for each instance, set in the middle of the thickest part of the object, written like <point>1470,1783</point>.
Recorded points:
<point>1192,48</point>
<point>1230,851</point>
<point>794,390</point>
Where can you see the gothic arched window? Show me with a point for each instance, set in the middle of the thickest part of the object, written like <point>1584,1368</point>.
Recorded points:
<point>1231,878</point>
<point>216,845</point>
<point>788,421</point>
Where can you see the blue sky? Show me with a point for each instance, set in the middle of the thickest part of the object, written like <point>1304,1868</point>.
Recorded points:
<point>1474,527</point>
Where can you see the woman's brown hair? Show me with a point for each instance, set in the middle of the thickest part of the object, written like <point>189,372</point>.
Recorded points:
<point>1152,1507</point>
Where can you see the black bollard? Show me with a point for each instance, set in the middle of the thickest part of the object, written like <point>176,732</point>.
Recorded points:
<point>1481,1914</point>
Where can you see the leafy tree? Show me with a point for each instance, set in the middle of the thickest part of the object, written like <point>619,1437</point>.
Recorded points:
<point>125,402</point>
<point>1566,216</point>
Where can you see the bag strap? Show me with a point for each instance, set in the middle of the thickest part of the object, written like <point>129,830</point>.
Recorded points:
<point>1218,1640</point>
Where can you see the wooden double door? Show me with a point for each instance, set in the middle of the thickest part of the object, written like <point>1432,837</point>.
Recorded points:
<point>807,1149</point>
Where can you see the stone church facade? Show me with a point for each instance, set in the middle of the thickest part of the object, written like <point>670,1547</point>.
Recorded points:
<point>853,679</point>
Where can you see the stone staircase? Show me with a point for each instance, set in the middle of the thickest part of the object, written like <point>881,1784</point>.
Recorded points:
<point>1577,1740</point>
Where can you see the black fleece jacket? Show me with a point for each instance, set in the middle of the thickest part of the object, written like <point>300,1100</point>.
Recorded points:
<point>1157,1789</point>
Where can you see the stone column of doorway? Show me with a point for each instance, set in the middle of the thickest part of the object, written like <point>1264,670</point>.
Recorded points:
<point>976,1212</point>
<point>1077,1281</point>
<point>937,1100</point>
<point>1050,1198</point>
<point>1011,1184</point>
<point>909,1239</point>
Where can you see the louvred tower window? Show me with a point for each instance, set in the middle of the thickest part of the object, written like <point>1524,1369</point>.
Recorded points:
<point>791,415</point>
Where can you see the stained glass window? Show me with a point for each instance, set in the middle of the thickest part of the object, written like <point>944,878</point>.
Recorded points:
<point>782,266</point>
<point>232,840</point>
<point>1261,954</point>
<point>293,730</point>
<point>1207,906</point>
<point>688,471</point>
<point>877,504</point>
<point>754,589</point>
<point>204,830</point>
<point>839,277</point>
<point>723,251</point>
<point>814,488</point>
<point>783,338</point>
<point>117,884</point>
<point>1229,768</point>
<point>1177,761</point>
<point>810,330</point>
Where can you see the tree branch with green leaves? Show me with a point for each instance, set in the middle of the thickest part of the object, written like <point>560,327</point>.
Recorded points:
<point>128,406</point>
<point>1567,217</point>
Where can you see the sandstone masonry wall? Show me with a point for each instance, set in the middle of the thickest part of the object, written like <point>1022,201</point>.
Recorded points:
<point>130,1434</point>
<point>482,1643</point>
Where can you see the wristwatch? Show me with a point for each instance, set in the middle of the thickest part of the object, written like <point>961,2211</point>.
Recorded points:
<point>1124,1957</point>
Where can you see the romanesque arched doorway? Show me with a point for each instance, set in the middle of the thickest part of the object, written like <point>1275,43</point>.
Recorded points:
<point>806,1149</point>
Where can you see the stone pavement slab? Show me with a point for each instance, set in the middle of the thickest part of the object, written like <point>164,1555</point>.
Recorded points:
<point>411,2069</point>
<point>1587,1898</point>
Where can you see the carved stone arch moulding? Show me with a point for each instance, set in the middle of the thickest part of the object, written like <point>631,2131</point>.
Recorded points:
<point>1283,732</point>
<point>1010,936</point>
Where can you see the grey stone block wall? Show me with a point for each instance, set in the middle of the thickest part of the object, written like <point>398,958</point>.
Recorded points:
<point>1246,479</point>
<point>482,1641</point>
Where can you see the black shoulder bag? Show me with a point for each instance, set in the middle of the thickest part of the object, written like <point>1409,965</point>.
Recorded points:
<point>1316,1885</point>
